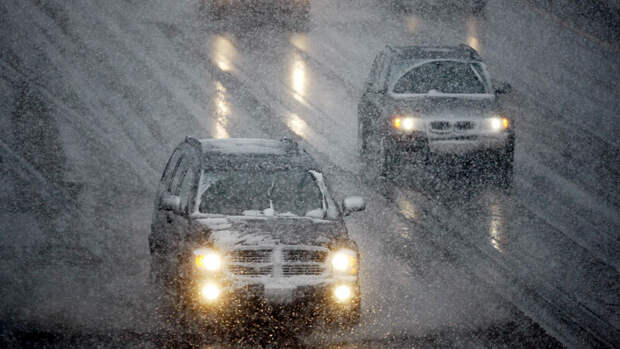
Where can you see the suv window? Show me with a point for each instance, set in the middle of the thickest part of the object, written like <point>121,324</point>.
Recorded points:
<point>442,76</point>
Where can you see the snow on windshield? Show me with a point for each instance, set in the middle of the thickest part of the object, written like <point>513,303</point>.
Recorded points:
<point>442,76</point>
<point>234,192</point>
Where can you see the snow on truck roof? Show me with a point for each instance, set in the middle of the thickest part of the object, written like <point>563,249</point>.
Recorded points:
<point>252,152</point>
<point>461,52</point>
<point>245,146</point>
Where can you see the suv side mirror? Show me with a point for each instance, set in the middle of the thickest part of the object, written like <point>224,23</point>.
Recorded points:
<point>170,202</point>
<point>353,204</point>
<point>502,87</point>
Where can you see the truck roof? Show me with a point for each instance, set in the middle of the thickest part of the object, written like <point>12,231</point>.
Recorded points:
<point>462,51</point>
<point>242,152</point>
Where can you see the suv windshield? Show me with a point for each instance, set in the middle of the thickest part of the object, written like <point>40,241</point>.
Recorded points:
<point>443,77</point>
<point>236,192</point>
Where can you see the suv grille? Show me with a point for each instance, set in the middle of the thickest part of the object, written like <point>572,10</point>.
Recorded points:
<point>278,261</point>
<point>440,125</point>
<point>463,125</point>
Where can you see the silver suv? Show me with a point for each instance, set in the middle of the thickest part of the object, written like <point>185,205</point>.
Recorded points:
<point>244,226</point>
<point>426,102</point>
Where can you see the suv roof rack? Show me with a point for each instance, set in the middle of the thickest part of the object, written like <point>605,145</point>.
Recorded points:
<point>193,141</point>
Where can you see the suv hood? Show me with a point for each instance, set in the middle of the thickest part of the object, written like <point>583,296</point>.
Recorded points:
<point>225,232</point>
<point>444,107</point>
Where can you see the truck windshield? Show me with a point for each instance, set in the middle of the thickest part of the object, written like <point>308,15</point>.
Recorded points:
<point>283,192</point>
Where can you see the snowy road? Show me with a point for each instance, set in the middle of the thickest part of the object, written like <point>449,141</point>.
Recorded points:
<point>96,94</point>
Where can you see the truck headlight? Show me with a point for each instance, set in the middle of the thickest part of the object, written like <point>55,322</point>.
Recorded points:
<point>344,261</point>
<point>207,259</point>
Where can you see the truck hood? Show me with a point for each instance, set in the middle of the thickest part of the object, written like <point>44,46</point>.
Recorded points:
<point>229,231</point>
<point>444,107</point>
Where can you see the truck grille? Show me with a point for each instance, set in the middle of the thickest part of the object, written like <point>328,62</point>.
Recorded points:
<point>250,256</point>
<point>304,256</point>
<point>250,271</point>
<point>278,261</point>
<point>302,269</point>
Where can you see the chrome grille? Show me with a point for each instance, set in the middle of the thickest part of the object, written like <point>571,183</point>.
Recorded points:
<point>463,125</point>
<point>302,269</point>
<point>440,125</point>
<point>250,270</point>
<point>304,256</point>
<point>251,256</point>
<point>278,261</point>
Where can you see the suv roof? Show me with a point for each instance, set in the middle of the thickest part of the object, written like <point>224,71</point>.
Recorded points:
<point>461,51</point>
<point>285,152</point>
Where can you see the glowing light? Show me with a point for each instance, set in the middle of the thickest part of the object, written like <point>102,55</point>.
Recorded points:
<point>496,124</point>
<point>412,23</point>
<point>341,262</point>
<point>342,293</point>
<point>397,122</point>
<point>495,224</point>
<point>300,41</point>
<point>298,78</point>
<point>210,261</point>
<point>224,52</point>
<point>408,124</point>
<point>297,125</point>
<point>505,122</point>
<point>472,33</point>
<point>210,292</point>
<point>222,111</point>
<point>473,42</point>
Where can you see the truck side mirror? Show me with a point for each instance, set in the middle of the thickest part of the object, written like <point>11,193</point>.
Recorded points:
<point>353,204</point>
<point>170,202</point>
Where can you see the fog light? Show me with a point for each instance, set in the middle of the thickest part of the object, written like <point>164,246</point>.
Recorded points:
<point>210,292</point>
<point>342,293</point>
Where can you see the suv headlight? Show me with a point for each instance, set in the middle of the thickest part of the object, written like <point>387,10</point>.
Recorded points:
<point>407,123</point>
<point>344,261</point>
<point>207,259</point>
<point>498,124</point>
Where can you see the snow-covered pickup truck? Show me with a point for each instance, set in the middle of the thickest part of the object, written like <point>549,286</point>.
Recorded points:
<point>243,226</point>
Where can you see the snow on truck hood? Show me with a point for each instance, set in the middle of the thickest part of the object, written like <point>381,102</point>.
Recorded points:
<point>229,231</point>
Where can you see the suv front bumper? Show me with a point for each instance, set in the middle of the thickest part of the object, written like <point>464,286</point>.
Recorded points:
<point>453,144</point>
